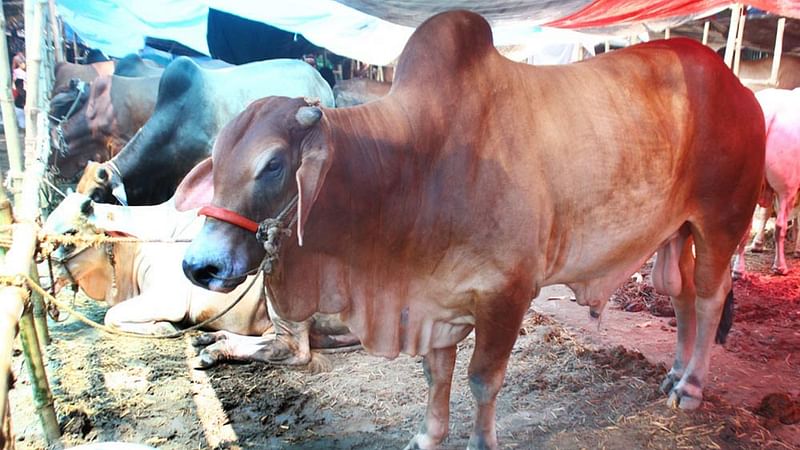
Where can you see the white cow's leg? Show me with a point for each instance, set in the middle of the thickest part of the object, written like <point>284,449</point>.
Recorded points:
<point>678,254</point>
<point>147,314</point>
<point>796,213</point>
<point>497,325</point>
<point>227,346</point>
<point>739,267</point>
<point>784,203</point>
<point>761,216</point>
<point>288,346</point>
<point>438,367</point>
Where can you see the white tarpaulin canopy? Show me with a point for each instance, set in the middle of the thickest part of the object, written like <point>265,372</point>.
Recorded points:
<point>118,27</point>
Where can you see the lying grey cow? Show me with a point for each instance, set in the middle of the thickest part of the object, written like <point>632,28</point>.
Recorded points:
<point>148,294</point>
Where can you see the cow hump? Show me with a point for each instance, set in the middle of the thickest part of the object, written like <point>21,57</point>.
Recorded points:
<point>178,78</point>
<point>448,42</point>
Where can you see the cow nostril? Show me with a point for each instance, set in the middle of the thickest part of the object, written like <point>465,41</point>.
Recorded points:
<point>202,275</point>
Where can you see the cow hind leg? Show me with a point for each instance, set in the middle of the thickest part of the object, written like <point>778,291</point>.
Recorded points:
<point>683,303</point>
<point>438,367</point>
<point>785,204</point>
<point>712,280</point>
<point>761,216</point>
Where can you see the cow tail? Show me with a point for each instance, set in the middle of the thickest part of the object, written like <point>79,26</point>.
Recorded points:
<point>726,321</point>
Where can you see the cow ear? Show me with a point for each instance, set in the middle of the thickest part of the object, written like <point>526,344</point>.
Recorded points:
<point>310,176</point>
<point>196,188</point>
<point>97,100</point>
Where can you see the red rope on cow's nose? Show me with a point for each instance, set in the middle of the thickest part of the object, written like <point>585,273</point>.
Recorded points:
<point>226,215</point>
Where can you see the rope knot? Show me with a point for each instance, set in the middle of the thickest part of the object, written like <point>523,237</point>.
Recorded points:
<point>270,232</point>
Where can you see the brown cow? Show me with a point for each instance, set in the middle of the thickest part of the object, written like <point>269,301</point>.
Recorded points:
<point>67,71</point>
<point>446,205</point>
<point>94,122</point>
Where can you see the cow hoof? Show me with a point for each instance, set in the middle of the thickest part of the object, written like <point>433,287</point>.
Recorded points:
<point>669,382</point>
<point>421,442</point>
<point>738,275</point>
<point>796,254</point>
<point>780,271</point>
<point>204,361</point>
<point>205,339</point>
<point>756,248</point>
<point>678,398</point>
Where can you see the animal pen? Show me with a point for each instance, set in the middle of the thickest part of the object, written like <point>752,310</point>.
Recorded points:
<point>23,304</point>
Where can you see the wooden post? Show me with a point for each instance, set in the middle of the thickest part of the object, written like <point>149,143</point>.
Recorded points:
<point>42,397</point>
<point>776,56</point>
<point>606,46</point>
<point>18,261</point>
<point>34,30</point>
<point>666,33</point>
<point>736,12</point>
<point>706,27</point>
<point>13,142</point>
<point>737,54</point>
<point>55,29</point>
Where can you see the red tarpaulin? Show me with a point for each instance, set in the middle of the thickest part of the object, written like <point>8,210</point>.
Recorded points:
<point>602,13</point>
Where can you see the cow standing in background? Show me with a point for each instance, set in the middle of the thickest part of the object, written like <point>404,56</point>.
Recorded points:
<point>446,205</point>
<point>781,171</point>
<point>143,285</point>
<point>192,106</point>
<point>94,121</point>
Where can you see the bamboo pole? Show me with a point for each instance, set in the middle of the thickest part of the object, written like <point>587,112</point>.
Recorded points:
<point>733,29</point>
<point>737,54</point>
<point>13,142</point>
<point>35,30</point>
<point>18,260</point>
<point>55,29</point>
<point>42,397</point>
<point>34,107</point>
<point>776,56</point>
<point>706,27</point>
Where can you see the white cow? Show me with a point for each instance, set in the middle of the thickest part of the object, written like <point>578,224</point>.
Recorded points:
<point>782,170</point>
<point>144,284</point>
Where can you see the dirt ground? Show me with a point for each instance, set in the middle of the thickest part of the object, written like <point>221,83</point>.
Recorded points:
<point>570,384</point>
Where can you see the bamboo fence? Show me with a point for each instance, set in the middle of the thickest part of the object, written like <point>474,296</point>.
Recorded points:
<point>18,308</point>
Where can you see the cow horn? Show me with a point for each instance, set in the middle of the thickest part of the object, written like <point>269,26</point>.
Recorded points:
<point>308,116</point>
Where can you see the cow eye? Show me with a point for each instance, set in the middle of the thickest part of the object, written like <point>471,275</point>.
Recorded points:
<point>273,165</point>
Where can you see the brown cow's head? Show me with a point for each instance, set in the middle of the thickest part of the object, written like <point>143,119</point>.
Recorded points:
<point>271,152</point>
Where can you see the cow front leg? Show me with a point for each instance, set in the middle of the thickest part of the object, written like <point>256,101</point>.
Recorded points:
<point>688,393</point>
<point>438,368</point>
<point>147,314</point>
<point>497,325</point>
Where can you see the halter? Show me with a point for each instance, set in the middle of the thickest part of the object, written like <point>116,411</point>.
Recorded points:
<point>63,146</point>
<point>269,232</point>
<point>109,251</point>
